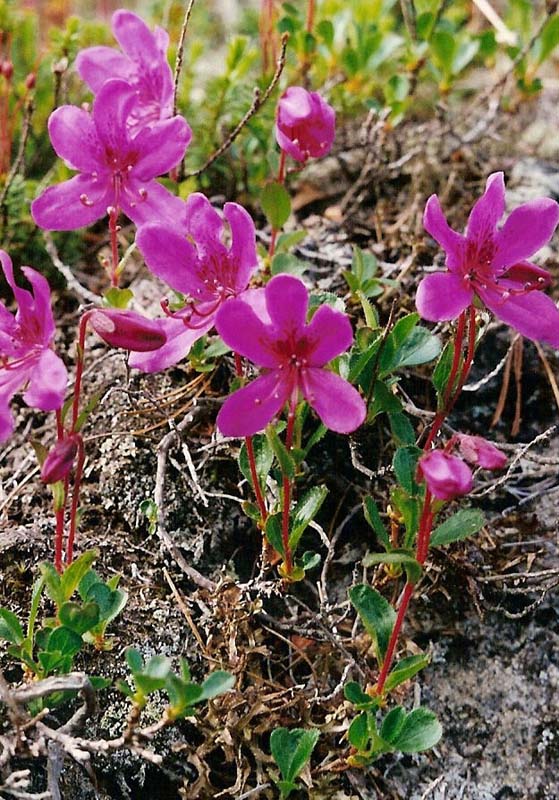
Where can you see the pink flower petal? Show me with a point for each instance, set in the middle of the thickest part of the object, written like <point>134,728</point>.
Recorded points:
<point>161,147</point>
<point>523,273</point>
<point>487,211</point>
<point>243,256</point>
<point>287,300</point>
<point>74,138</point>
<point>10,382</point>
<point>47,382</point>
<point>527,230</point>
<point>250,409</point>
<point>446,476</point>
<point>134,37</point>
<point>179,341</point>
<point>59,208</point>
<point>329,333</point>
<point>111,110</point>
<point>534,314</point>
<point>442,296</point>
<point>172,258</point>
<point>152,203</point>
<point>338,404</point>
<point>245,333</point>
<point>205,225</point>
<point>41,311</point>
<point>434,222</point>
<point>96,65</point>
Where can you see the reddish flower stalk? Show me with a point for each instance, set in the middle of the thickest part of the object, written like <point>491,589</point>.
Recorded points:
<point>113,229</point>
<point>310,16</point>
<point>251,457</point>
<point>286,483</point>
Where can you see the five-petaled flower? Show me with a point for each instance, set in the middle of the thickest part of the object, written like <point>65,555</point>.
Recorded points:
<point>446,476</point>
<point>143,64</point>
<point>305,124</point>
<point>269,327</point>
<point>201,267</point>
<point>491,262</point>
<point>117,169</point>
<point>26,357</point>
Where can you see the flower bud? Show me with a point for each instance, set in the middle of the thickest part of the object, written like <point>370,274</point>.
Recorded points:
<point>446,476</point>
<point>60,460</point>
<point>31,80</point>
<point>305,124</point>
<point>128,330</point>
<point>7,69</point>
<point>477,450</point>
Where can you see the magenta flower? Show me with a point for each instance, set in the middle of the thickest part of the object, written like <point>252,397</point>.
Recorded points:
<point>127,329</point>
<point>143,64</point>
<point>477,450</point>
<point>117,169</point>
<point>26,358</point>
<point>269,327</point>
<point>491,262</point>
<point>60,459</point>
<point>201,267</point>
<point>446,476</point>
<point>305,124</point>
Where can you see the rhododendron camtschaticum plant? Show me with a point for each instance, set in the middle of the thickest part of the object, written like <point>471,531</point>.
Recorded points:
<point>201,267</point>
<point>143,64</point>
<point>269,327</point>
<point>491,262</point>
<point>26,355</point>
<point>117,169</point>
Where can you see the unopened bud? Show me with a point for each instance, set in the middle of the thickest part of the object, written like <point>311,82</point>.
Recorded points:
<point>7,69</point>
<point>60,460</point>
<point>128,330</point>
<point>30,81</point>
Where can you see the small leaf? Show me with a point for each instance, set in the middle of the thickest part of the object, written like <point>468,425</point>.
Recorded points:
<point>118,298</point>
<point>357,697</point>
<point>219,682</point>
<point>421,731</point>
<point>52,582</point>
<point>373,518</point>
<point>358,732</point>
<point>276,204</point>
<point>441,373</point>
<point>402,429</point>
<point>310,560</point>
<point>287,263</point>
<point>392,724</point>
<point>10,627</point>
<point>287,465</point>
<point>404,670</point>
<point>405,466</point>
<point>72,575</point>
<point>79,618</point>
<point>459,526</point>
<point>263,456</point>
<point>404,558</point>
<point>376,614</point>
<point>65,640</point>
<point>305,511</point>
<point>273,532</point>
<point>134,660</point>
<point>292,750</point>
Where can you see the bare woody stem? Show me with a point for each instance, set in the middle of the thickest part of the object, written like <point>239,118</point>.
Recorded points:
<point>427,515</point>
<point>286,487</point>
<point>251,457</point>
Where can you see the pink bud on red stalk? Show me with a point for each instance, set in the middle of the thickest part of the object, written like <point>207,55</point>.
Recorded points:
<point>7,69</point>
<point>446,476</point>
<point>127,329</point>
<point>60,460</point>
<point>477,450</point>
<point>31,80</point>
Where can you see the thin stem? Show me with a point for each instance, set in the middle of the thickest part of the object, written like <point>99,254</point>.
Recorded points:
<point>281,180</point>
<point>286,484</point>
<point>113,228</point>
<point>180,54</point>
<point>310,16</point>
<point>79,369</point>
<point>75,503</point>
<point>251,457</point>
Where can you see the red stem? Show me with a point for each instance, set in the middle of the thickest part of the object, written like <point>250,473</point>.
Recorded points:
<point>286,484</point>
<point>75,503</point>
<point>251,457</point>
<point>79,369</point>
<point>113,216</point>
<point>310,16</point>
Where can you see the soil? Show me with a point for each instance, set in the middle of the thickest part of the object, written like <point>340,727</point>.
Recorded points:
<point>494,675</point>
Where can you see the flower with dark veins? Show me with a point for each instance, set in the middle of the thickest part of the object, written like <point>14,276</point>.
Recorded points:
<point>117,169</point>
<point>491,263</point>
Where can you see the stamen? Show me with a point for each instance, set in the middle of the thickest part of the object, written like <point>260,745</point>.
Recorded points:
<point>84,200</point>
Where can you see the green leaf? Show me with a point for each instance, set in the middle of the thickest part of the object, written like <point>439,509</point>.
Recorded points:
<point>402,429</point>
<point>404,558</point>
<point>459,526</point>
<point>405,466</point>
<point>263,456</point>
<point>305,511</point>
<point>421,731</point>
<point>419,347</point>
<point>273,532</point>
<point>219,682</point>
<point>548,40</point>
<point>276,204</point>
<point>10,627</point>
<point>292,750</point>
<point>118,298</point>
<point>72,575</point>
<point>372,517</point>
<point>52,582</point>
<point>389,359</point>
<point>392,724</point>
<point>287,263</point>
<point>79,618</point>
<point>384,401</point>
<point>65,640</point>
<point>357,697</point>
<point>441,373</point>
<point>325,30</point>
<point>286,787</point>
<point>358,732</point>
<point>410,510</point>
<point>309,560</point>
<point>404,670</point>
<point>286,462</point>
<point>288,240</point>
<point>376,614</point>
<point>134,660</point>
